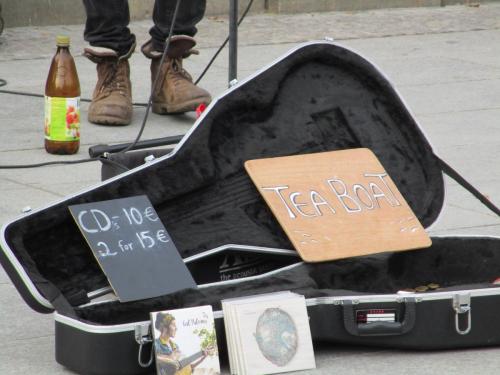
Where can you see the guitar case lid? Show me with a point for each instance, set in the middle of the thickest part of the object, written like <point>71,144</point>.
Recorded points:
<point>318,97</point>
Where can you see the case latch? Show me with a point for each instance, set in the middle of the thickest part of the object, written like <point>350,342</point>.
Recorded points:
<point>143,337</point>
<point>461,305</point>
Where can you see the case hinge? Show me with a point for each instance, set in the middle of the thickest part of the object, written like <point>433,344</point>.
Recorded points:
<point>462,307</point>
<point>143,337</point>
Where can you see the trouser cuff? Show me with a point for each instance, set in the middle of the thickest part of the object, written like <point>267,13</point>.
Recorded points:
<point>96,54</point>
<point>181,46</point>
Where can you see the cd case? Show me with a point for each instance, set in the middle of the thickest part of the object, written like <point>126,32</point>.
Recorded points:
<point>185,342</point>
<point>268,334</point>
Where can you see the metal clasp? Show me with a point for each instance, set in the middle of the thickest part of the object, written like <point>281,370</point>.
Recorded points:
<point>149,159</point>
<point>461,305</point>
<point>143,337</point>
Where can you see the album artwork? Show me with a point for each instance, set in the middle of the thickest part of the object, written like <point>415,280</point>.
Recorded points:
<point>185,342</point>
<point>269,334</point>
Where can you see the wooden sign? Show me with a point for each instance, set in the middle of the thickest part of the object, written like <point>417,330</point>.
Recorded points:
<point>132,247</point>
<point>337,204</point>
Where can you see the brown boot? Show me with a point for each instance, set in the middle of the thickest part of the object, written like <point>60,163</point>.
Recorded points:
<point>175,92</point>
<point>112,98</point>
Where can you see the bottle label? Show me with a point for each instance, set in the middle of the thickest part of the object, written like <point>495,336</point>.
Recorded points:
<point>62,119</point>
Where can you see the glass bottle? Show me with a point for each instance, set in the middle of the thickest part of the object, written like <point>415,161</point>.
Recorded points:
<point>62,102</point>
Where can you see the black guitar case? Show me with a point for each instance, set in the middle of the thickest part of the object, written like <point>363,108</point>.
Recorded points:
<point>318,97</point>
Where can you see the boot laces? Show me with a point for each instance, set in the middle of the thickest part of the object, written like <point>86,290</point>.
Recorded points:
<point>115,78</point>
<point>178,72</point>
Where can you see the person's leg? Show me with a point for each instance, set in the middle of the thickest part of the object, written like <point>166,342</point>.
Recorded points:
<point>176,92</point>
<point>111,44</point>
<point>107,25</point>
<point>190,13</point>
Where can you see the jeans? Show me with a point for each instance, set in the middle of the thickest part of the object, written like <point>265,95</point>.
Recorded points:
<point>107,22</point>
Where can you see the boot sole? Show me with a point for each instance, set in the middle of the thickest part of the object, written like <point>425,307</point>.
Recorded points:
<point>189,106</point>
<point>108,120</point>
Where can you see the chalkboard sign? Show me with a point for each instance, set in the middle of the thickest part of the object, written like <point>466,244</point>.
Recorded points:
<point>132,247</point>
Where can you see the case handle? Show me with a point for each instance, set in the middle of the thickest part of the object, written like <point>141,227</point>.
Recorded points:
<point>143,338</point>
<point>140,355</point>
<point>462,306</point>
<point>380,328</point>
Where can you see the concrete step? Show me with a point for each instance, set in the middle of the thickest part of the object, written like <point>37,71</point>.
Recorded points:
<point>68,12</point>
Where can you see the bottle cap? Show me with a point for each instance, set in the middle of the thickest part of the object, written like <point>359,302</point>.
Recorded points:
<point>62,40</point>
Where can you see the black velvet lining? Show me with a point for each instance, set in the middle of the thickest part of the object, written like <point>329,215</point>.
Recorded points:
<point>320,98</point>
<point>453,263</point>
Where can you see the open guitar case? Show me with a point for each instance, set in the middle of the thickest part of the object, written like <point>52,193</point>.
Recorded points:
<point>318,97</point>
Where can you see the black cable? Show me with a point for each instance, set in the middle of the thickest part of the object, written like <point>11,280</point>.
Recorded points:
<point>2,23</point>
<point>105,160</point>
<point>223,44</point>
<point>155,82</point>
<point>26,166</point>
<point>3,82</point>
<point>66,162</point>
<point>101,149</point>
<point>147,105</point>
<point>132,145</point>
<point>24,93</point>
<point>205,70</point>
<point>143,125</point>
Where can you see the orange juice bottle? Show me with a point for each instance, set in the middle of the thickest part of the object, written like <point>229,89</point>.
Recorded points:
<point>62,103</point>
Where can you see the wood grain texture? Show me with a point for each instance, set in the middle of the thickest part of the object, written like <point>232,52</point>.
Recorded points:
<point>337,204</point>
